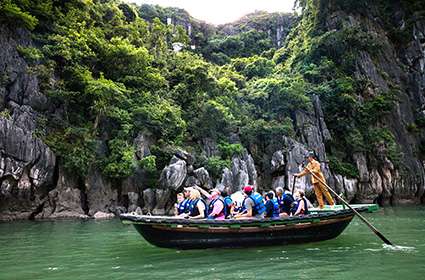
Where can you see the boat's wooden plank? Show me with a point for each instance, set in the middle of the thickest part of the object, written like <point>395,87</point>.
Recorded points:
<point>249,229</point>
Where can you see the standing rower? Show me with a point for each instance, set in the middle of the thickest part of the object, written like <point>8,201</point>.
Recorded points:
<point>319,189</point>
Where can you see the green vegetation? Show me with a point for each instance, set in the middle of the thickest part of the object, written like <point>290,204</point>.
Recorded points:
<point>116,74</point>
<point>10,11</point>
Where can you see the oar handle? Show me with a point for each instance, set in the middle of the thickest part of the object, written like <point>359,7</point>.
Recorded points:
<point>383,238</point>
<point>293,185</point>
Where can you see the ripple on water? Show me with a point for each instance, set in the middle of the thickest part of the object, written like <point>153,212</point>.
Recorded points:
<point>312,249</point>
<point>393,248</point>
<point>407,249</point>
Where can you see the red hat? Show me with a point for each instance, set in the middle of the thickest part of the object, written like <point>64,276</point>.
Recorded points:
<point>248,189</point>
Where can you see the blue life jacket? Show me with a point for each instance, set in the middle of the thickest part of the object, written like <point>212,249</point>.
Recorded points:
<point>228,201</point>
<point>285,202</point>
<point>211,207</point>
<point>275,208</point>
<point>183,206</point>
<point>259,207</point>
<point>294,209</point>
<point>193,208</point>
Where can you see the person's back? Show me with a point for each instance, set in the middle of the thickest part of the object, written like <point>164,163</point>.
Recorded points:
<point>285,202</point>
<point>253,204</point>
<point>272,206</point>
<point>229,204</point>
<point>256,203</point>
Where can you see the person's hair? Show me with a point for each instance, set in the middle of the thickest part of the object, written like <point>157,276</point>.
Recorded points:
<point>180,194</point>
<point>279,189</point>
<point>270,195</point>
<point>194,194</point>
<point>301,192</point>
<point>224,192</point>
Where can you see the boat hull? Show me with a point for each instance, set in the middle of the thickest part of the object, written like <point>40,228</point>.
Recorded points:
<point>244,234</point>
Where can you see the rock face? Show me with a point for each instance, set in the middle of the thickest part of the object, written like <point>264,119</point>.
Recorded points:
<point>242,173</point>
<point>174,174</point>
<point>101,196</point>
<point>397,65</point>
<point>33,183</point>
<point>64,201</point>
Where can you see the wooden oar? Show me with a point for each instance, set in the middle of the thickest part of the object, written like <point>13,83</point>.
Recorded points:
<point>293,185</point>
<point>380,235</point>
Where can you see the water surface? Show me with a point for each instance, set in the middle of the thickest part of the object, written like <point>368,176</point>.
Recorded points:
<point>109,250</point>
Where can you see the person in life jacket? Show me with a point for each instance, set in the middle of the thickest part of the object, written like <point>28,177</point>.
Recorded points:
<point>179,199</point>
<point>319,189</point>
<point>216,207</point>
<point>198,209</point>
<point>228,203</point>
<point>253,204</point>
<point>301,205</point>
<point>272,206</point>
<point>285,200</point>
<point>182,208</point>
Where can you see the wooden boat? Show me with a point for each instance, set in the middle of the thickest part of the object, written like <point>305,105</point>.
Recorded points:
<point>173,232</point>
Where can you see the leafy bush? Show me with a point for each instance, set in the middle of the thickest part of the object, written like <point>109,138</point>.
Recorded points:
<point>148,163</point>
<point>13,14</point>
<point>215,165</point>
<point>343,168</point>
<point>382,143</point>
<point>30,54</point>
<point>120,162</point>
<point>229,150</point>
<point>76,148</point>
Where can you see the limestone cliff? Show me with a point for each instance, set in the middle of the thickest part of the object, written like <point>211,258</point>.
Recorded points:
<point>35,184</point>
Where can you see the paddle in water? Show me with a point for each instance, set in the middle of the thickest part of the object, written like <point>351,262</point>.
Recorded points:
<point>380,235</point>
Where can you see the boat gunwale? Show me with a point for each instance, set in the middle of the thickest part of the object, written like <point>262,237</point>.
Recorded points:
<point>173,222</point>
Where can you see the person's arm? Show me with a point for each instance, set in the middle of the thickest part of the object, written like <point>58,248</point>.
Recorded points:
<point>248,211</point>
<point>203,192</point>
<point>232,208</point>
<point>201,209</point>
<point>304,172</point>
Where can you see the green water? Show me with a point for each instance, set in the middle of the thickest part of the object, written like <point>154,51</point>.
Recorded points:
<point>110,250</point>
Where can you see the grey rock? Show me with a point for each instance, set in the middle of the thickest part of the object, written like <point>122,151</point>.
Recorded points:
<point>183,155</point>
<point>173,175</point>
<point>203,177</point>
<point>362,167</point>
<point>64,201</point>
<point>99,215</point>
<point>141,145</point>
<point>149,200</point>
<point>278,161</point>
<point>100,194</point>
<point>278,181</point>
<point>350,187</point>
<point>191,181</point>
<point>209,147</point>
<point>162,198</point>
